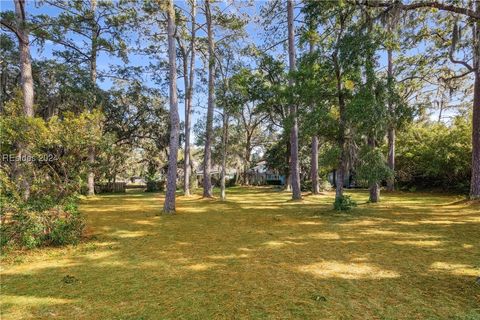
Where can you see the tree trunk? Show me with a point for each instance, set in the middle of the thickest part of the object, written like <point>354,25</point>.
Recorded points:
<point>169,205</point>
<point>207,162</point>
<point>294,166</point>
<point>93,80</point>
<point>374,187</point>
<point>314,166</point>
<point>186,150</point>
<point>374,193</point>
<point>475,183</point>
<point>340,178</point>
<point>21,170</point>
<point>391,128</point>
<point>91,174</point>
<point>245,174</point>
<point>246,164</point>
<point>314,156</point>
<point>188,105</point>
<point>25,59</point>
<point>224,156</point>
<point>391,158</point>
<point>288,184</point>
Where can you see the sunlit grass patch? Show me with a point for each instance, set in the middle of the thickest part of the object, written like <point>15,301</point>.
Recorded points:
<point>352,270</point>
<point>256,256</point>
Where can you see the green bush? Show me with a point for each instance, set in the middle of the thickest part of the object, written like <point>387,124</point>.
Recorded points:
<point>306,185</point>
<point>435,155</point>
<point>67,231</point>
<point>29,228</point>
<point>325,185</point>
<point>155,186</point>
<point>344,203</point>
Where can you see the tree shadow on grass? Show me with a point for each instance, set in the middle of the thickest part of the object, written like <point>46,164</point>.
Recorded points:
<point>234,260</point>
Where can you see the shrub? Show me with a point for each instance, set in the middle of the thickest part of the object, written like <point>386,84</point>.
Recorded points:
<point>58,225</point>
<point>306,185</point>
<point>324,185</point>
<point>27,230</point>
<point>154,186</point>
<point>435,155</point>
<point>344,203</point>
<point>230,182</point>
<point>67,231</point>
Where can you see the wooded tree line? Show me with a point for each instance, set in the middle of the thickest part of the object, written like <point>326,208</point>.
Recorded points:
<point>346,86</point>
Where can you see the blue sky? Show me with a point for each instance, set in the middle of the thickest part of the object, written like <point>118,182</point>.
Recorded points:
<point>104,61</point>
<point>255,34</point>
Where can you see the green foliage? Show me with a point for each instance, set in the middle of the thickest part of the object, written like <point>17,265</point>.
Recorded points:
<point>57,148</point>
<point>67,231</point>
<point>276,154</point>
<point>328,158</point>
<point>38,226</point>
<point>344,203</point>
<point>324,185</point>
<point>306,185</point>
<point>372,166</point>
<point>435,155</point>
<point>155,186</point>
<point>55,170</point>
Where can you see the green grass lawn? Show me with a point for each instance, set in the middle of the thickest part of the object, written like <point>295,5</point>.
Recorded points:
<point>256,256</point>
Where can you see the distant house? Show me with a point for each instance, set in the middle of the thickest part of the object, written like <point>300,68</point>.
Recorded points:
<point>216,173</point>
<point>260,174</point>
<point>137,180</point>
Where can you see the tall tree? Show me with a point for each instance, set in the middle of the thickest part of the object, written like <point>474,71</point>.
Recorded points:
<point>224,67</point>
<point>338,71</point>
<point>99,25</point>
<point>225,120</point>
<point>294,165</point>
<point>93,80</point>
<point>314,147</point>
<point>188,53</point>
<point>207,161</point>
<point>21,31</point>
<point>169,205</point>
<point>470,11</point>
<point>244,101</point>
<point>19,27</point>
<point>391,109</point>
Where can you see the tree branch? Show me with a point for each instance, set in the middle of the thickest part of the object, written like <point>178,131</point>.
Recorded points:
<point>423,4</point>
<point>12,28</point>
